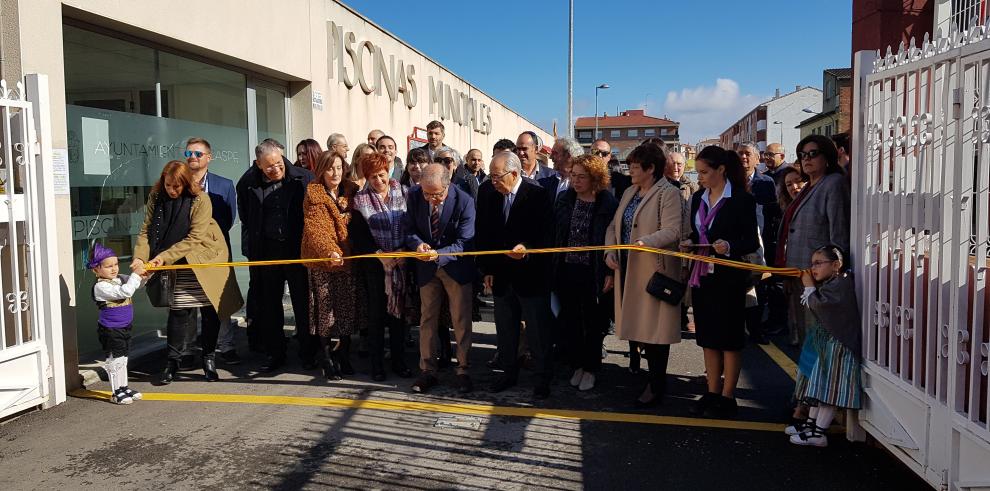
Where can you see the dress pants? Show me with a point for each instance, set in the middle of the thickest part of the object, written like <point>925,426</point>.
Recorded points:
<point>177,330</point>
<point>379,319</point>
<point>431,299</point>
<point>511,309</point>
<point>270,314</point>
<point>582,318</point>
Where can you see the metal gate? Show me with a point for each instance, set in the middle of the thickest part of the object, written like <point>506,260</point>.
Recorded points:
<point>920,229</point>
<point>30,320</point>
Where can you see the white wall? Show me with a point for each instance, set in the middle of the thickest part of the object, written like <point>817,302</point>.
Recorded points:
<point>788,109</point>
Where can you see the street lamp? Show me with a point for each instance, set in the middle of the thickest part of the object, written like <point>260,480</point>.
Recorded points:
<point>781,123</point>
<point>602,86</point>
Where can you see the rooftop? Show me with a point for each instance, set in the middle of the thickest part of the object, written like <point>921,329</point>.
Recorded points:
<point>630,118</point>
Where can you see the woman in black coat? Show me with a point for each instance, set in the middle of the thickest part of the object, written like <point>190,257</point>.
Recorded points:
<point>581,217</point>
<point>723,224</point>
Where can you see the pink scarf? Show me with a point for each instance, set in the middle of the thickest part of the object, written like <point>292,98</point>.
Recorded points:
<point>699,268</point>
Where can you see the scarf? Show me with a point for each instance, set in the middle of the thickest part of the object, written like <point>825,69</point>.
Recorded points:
<point>707,217</point>
<point>785,224</point>
<point>170,222</point>
<point>384,219</point>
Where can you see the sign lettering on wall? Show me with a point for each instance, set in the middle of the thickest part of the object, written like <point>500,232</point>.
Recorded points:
<point>363,64</point>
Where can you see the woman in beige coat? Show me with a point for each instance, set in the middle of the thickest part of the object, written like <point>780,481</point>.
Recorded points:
<point>651,213</point>
<point>179,228</point>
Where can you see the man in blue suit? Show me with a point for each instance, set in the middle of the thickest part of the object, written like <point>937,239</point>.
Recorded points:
<point>764,190</point>
<point>198,155</point>
<point>527,146</point>
<point>440,219</point>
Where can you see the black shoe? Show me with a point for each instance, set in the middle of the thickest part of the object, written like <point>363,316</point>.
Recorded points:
<point>702,405</point>
<point>541,391</point>
<point>503,383</point>
<point>230,357</point>
<point>273,363</point>
<point>344,362</point>
<point>168,374</point>
<point>187,362</point>
<point>639,404</point>
<point>401,370</point>
<point>464,384</point>
<point>424,383</point>
<point>210,368</point>
<point>330,371</point>
<point>724,407</point>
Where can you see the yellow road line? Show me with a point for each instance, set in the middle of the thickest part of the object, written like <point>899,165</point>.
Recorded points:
<point>469,409</point>
<point>781,359</point>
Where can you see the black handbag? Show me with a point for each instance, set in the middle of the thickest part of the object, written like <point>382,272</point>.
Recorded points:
<point>666,289</point>
<point>161,288</point>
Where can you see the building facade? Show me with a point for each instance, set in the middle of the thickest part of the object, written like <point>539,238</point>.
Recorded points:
<point>128,88</point>
<point>625,131</point>
<point>836,105</point>
<point>775,121</point>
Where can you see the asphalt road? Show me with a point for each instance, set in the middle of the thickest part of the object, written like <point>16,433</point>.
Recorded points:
<point>306,435</point>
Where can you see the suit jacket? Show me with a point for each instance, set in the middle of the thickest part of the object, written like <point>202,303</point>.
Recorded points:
<point>735,224</point>
<point>249,206</point>
<point>822,218</point>
<point>530,223</point>
<point>224,200</point>
<point>467,182</point>
<point>543,172</point>
<point>551,184</point>
<point>456,234</point>
<point>765,191</point>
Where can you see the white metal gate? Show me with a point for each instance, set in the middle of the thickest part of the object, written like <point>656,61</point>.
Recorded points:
<point>30,320</point>
<point>920,229</point>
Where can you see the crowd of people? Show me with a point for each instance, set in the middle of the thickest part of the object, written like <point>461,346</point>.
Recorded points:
<point>747,205</point>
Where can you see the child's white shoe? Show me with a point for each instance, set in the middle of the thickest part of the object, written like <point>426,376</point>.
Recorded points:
<point>135,395</point>
<point>797,428</point>
<point>576,378</point>
<point>814,437</point>
<point>120,396</point>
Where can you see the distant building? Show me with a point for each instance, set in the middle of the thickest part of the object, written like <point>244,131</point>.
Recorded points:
<point>626,131</point>
<point>774,121</point>
<point>685,148</point>
<point>707,143</point>
<point>836,104</point>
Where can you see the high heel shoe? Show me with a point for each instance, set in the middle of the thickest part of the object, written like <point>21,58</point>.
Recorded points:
<point>331,370</point>
<point>168,374</point>
<point>210,368</point>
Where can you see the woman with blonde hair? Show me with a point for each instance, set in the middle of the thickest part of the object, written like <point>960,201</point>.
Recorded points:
<point>353,171</point>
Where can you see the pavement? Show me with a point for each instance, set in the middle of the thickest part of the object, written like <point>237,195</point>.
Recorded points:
<point>295,430</point>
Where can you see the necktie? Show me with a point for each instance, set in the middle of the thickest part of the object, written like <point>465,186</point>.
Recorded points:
<point>506,207</point>
<point>435,222</point>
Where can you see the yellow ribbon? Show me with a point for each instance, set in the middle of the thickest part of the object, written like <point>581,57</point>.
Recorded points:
<point>795,272</point>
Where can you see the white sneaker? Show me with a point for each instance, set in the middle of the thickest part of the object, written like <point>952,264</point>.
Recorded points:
<point>810,437</point>
<point>799,427</point>
<point>576,378</point>
<point>587,381</point>
<point>121,397</point>
<point>135,395</point>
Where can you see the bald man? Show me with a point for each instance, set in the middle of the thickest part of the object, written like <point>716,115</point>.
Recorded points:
<point>773,158</point>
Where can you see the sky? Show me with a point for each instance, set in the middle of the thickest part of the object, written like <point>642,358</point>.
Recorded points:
<point>704,64</point>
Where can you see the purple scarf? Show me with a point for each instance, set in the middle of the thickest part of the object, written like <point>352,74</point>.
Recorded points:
<point>384,218</point>
<point>699,268</point>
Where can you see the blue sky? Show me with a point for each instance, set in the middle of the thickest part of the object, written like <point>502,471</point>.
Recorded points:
<point>703,63</point>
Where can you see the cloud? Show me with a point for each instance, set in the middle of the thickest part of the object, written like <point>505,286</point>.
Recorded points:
<point>706,111</point>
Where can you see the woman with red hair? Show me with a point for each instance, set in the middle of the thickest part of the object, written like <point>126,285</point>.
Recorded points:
<point>179,228</point>
<point>379,208</point>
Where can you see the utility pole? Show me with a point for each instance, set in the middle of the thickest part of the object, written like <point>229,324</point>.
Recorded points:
<point>570,71</point>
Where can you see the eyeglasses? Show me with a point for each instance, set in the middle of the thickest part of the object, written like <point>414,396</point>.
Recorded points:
<point>496,177</point>
<point>810,154</point>
<point>770,154</point>
<point>444,160</point>
<point>190,153</point>
<point>815,264</point>
<point>602,153</point>
<point>435,195</point>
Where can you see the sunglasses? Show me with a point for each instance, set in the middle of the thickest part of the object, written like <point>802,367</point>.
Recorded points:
<point>190,153</point>
<point>444,160</point>
<point>602,153</point>
<point>810,154</point>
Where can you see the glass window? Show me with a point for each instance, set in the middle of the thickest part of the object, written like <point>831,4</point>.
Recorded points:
<point>584,134</point>
<point>120,136</point>
<point>633,133</point>
<point>615,133</point>
<point>271,114</point>
<point>649,132</point>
